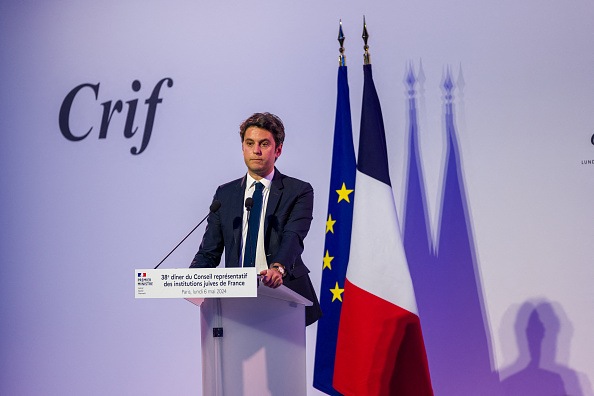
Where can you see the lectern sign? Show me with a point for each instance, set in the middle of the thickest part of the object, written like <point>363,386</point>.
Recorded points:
<point>196,282</point>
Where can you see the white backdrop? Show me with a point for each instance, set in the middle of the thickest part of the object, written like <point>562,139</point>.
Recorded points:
<point>78,217</point>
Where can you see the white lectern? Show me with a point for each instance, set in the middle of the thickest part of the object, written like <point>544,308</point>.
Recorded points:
<point>254,346</point>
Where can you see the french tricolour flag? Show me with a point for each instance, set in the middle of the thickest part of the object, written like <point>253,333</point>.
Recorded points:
<point>380,349</point>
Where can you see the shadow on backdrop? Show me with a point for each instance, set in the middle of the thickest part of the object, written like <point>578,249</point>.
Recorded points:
<point>543,334</point>
<point>445,275</point>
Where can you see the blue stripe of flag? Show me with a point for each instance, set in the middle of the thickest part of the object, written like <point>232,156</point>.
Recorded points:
<point>373,152</point>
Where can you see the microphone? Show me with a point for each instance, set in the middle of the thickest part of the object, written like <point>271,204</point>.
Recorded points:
<point>249,203</point>
<point>213,208</point>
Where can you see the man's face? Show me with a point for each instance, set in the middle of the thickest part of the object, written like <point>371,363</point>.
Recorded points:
<point>259,151</point>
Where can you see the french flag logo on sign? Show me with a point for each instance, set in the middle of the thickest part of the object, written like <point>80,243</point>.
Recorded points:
<point>142,274</point>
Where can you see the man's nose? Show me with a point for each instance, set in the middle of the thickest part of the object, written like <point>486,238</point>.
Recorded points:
<point>257,149</point>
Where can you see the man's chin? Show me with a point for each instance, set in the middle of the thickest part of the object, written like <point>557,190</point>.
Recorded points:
<point>260,171</point>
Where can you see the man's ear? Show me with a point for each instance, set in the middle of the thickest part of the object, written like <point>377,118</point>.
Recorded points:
<point>279,150</point>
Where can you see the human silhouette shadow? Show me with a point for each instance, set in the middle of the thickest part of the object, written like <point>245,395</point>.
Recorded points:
<point>537,371</point>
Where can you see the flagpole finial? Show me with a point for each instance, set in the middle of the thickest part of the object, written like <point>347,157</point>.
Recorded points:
<point>410,79</point>
<point>365,38</point>
<point>448,85</point>
<point>341,61</point>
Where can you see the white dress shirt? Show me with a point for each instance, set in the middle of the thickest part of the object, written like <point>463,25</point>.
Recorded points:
<point>261,263</point>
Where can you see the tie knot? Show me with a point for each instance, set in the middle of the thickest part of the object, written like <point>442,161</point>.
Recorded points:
<point>259,186</point>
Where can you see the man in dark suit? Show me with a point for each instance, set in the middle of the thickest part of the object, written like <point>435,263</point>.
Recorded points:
<point>281,216</point>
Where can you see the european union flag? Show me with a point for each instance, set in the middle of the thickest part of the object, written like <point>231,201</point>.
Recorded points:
<point>338,237</point>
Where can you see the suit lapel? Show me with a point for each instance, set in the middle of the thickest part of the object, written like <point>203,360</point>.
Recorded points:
<point>276,192</point>
<point>237,213</point>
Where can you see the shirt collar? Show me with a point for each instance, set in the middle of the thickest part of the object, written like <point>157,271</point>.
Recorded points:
<point>265,180</point>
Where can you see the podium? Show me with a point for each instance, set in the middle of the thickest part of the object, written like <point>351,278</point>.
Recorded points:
<point>254,346</point>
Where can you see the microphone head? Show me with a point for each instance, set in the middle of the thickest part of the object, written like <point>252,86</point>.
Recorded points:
<point>249,202</point>
<point>215,206</point>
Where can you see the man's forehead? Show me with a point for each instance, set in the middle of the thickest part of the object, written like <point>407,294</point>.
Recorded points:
<point>258,134</point>
<point>259,138</point>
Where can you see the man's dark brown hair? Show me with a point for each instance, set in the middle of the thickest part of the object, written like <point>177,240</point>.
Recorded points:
<point>266,121</point>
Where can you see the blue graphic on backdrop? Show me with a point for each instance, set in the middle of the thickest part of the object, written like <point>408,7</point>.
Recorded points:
<point>108,113</point>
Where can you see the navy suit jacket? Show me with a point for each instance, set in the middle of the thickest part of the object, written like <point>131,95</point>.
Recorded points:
<point>286,223</point>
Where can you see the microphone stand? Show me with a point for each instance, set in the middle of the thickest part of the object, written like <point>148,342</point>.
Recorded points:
<point>213,208</point>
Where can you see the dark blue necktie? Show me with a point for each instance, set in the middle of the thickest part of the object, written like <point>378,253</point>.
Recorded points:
<point>253,226</point>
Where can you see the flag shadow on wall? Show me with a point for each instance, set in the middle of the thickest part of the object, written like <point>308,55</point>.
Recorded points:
<point>445,273</point>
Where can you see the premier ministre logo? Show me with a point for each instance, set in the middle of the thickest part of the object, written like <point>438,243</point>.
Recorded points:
<point>79,97</point>
<point>143,280</point>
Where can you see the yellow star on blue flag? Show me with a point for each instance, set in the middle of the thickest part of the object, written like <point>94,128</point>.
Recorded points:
<point>343,193</point>
<point>330,224</point>
<point>327,261</point>
<point>336,293</point>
